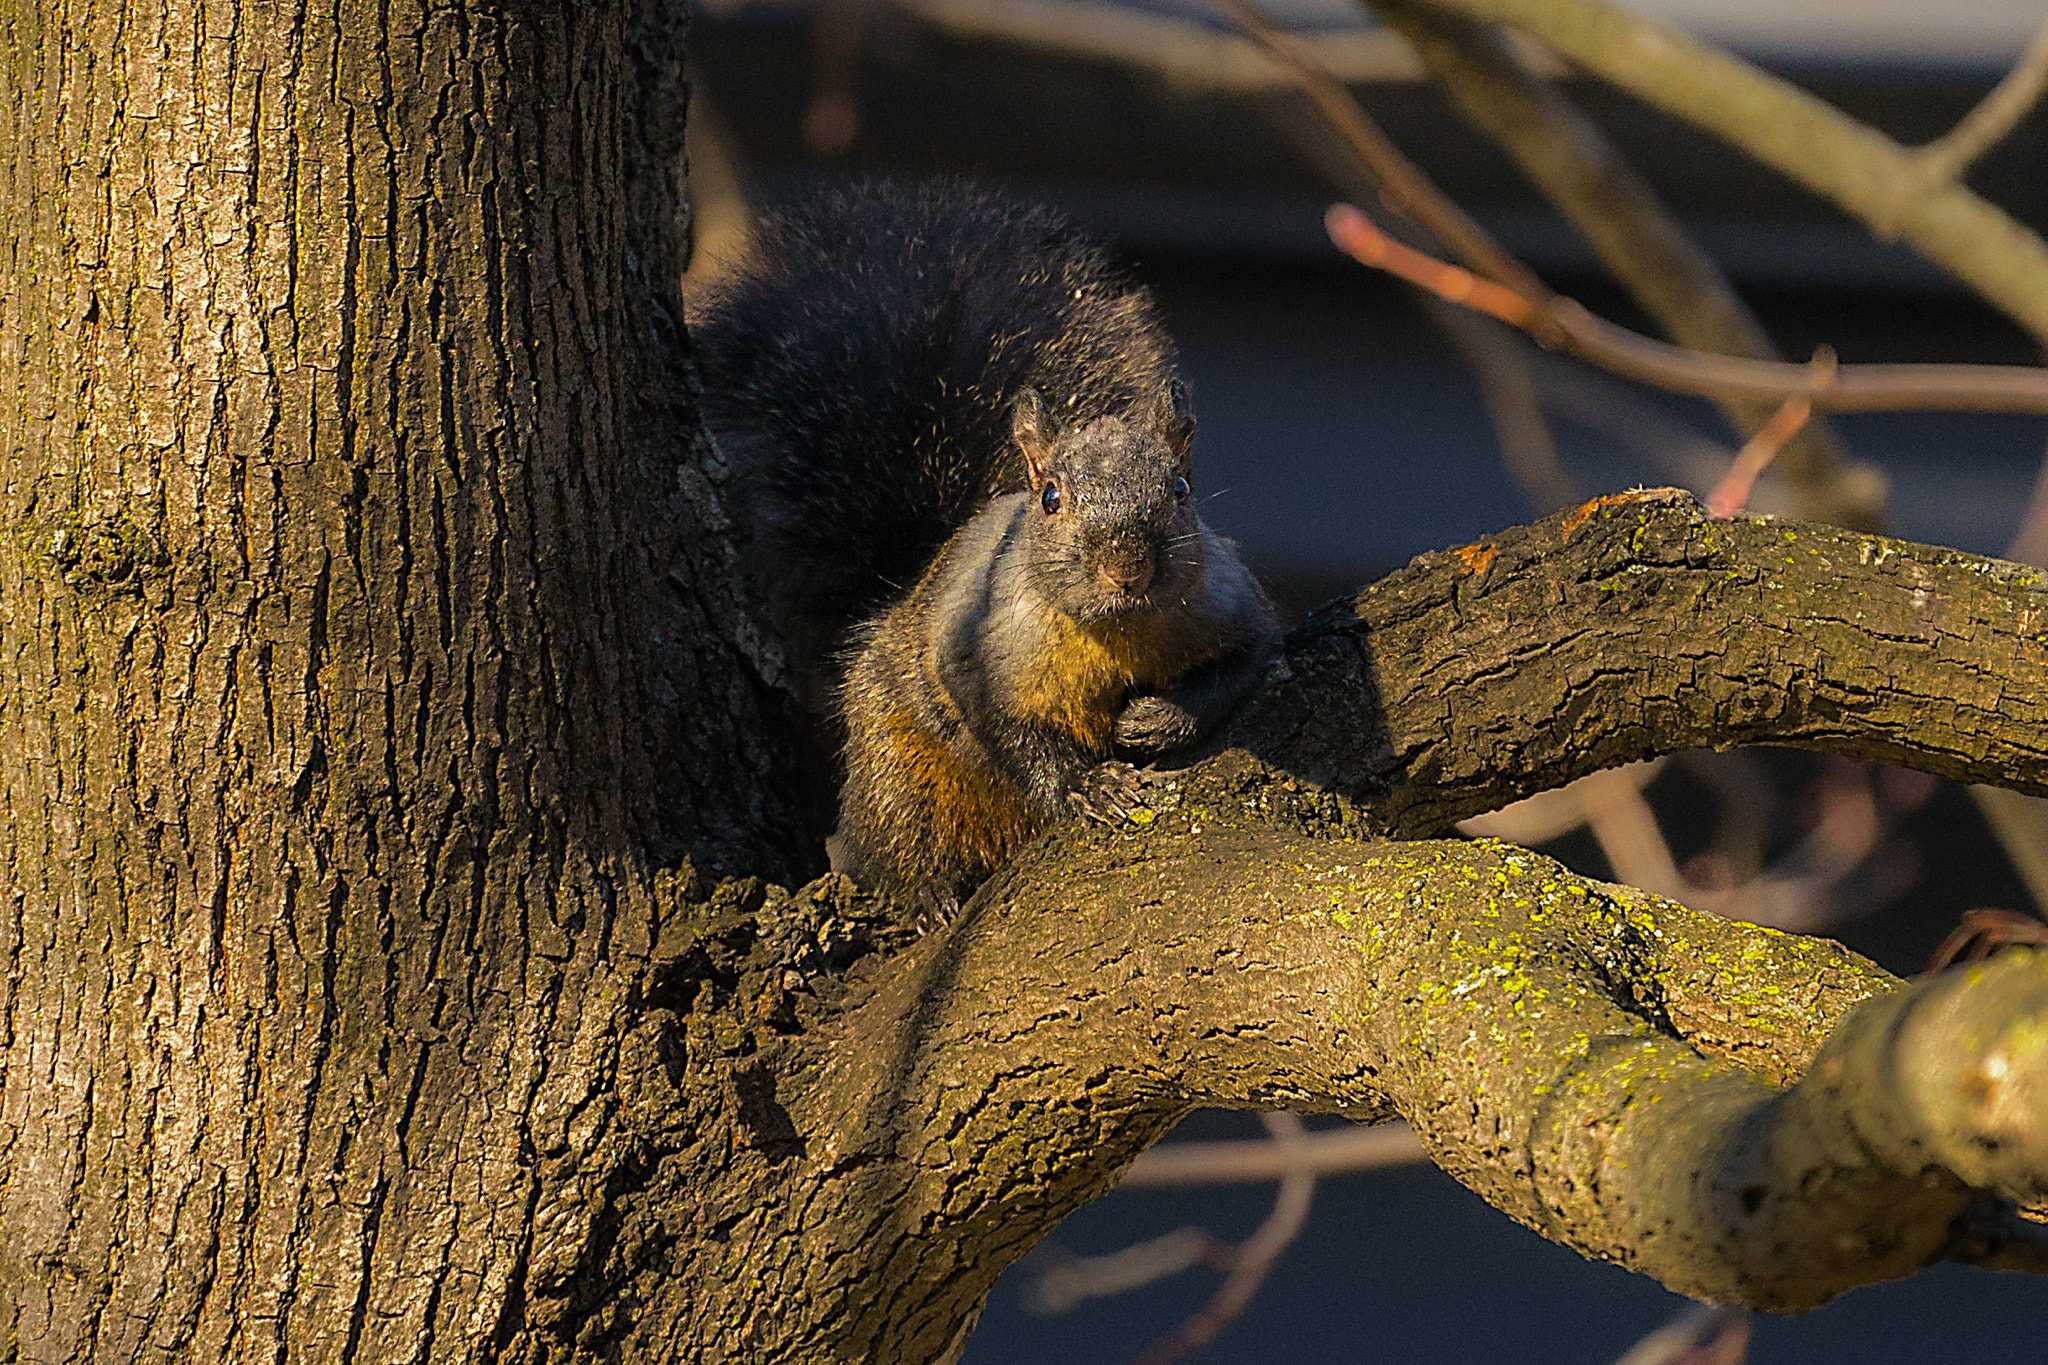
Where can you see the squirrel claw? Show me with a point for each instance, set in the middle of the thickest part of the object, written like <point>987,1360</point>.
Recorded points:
<point>933,907</point>
<point>1110,794</point>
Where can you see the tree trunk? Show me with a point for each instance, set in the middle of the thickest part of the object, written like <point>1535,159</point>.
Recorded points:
<point>376,693</point>
<point>365,636</point>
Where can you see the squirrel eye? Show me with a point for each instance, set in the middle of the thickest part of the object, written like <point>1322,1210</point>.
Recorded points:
<point>1180,488</point>
<point>1051,501</point>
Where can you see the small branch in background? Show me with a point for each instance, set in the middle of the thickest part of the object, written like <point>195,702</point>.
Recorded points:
<point>1402,185</point>
<point>1553,814</point>
<point>1289,1153</point>
<point>1698,1334</point>
<point>1732,493</point>
<point>1851,821</point>
<point>1942,162</point>
<point>1334,1151</point>
<point>1358,237</point>
<point>831,122</point>
<point>1500,361</point>
<point>1064,1282</point>
<point>1254,1258</point>
<point>1626,828</point>
<point>1980,933</point>
<point>1616,213</point>
<point>1846,388</point>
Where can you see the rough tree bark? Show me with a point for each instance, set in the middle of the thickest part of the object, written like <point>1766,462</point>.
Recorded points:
<point>370,661</point>
<point>364,637</point>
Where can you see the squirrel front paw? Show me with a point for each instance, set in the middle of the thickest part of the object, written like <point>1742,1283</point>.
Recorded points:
<point>933,907</point>
<point>1155,725</point>
<point>1110,794</point>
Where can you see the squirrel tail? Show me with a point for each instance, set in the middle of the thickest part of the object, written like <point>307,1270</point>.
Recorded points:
<point>860,368</point>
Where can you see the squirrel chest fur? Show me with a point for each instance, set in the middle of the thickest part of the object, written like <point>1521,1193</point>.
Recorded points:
<point>981,700</point>
<point>937,387</point>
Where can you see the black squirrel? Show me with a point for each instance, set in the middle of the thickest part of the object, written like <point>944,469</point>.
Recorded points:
<point>957,434</point>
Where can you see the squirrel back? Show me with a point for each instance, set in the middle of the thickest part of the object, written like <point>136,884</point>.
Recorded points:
<point>861,370</point>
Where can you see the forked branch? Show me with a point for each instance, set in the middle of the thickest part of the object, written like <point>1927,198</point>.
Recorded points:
<point>1749,1116</point>
<point>1609,1069</point>
<point>1845,161</point>
<point>1943,161</point>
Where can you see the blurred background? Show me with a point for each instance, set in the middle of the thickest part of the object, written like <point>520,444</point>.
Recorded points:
<point>1347,424</point>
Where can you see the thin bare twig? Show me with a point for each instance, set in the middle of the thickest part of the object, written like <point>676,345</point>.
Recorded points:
<point>1553,814</point>
<point>1255,1257</point>
<point>1064,1282</point>
<point>1847,388</point>
<point>1289,1154</point>
<point>1698,1334</point>
<point>1331,1152</point>
<point>1500,361</point>
<point>1627,831</point>
<point>1402,185</point>
<point>1980,933</point>
<point>1731,494</point>
<point>1796,893</point>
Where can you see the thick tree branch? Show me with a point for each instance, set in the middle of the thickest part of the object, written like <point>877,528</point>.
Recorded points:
<point>1843,160</point>
<point>1606,1067</point>
<point>1635,626</point>
<point>1620,1073</point>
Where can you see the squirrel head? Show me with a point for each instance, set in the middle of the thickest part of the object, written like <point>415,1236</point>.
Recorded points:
<point>1113,526</point>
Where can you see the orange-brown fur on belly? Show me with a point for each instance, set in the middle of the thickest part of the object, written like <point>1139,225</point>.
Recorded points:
<point>969,817</point>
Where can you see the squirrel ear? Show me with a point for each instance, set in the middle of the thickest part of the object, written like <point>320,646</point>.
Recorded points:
<point>1173,417</point>
<point>1032,430</point>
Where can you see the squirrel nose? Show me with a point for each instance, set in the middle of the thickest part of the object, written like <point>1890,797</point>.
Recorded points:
<point>1132,575</point>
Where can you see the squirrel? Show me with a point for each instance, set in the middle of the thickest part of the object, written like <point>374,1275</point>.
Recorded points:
<point>959,441</point>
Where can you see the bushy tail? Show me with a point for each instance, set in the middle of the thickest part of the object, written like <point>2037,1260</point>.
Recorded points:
<point>860,370</point>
